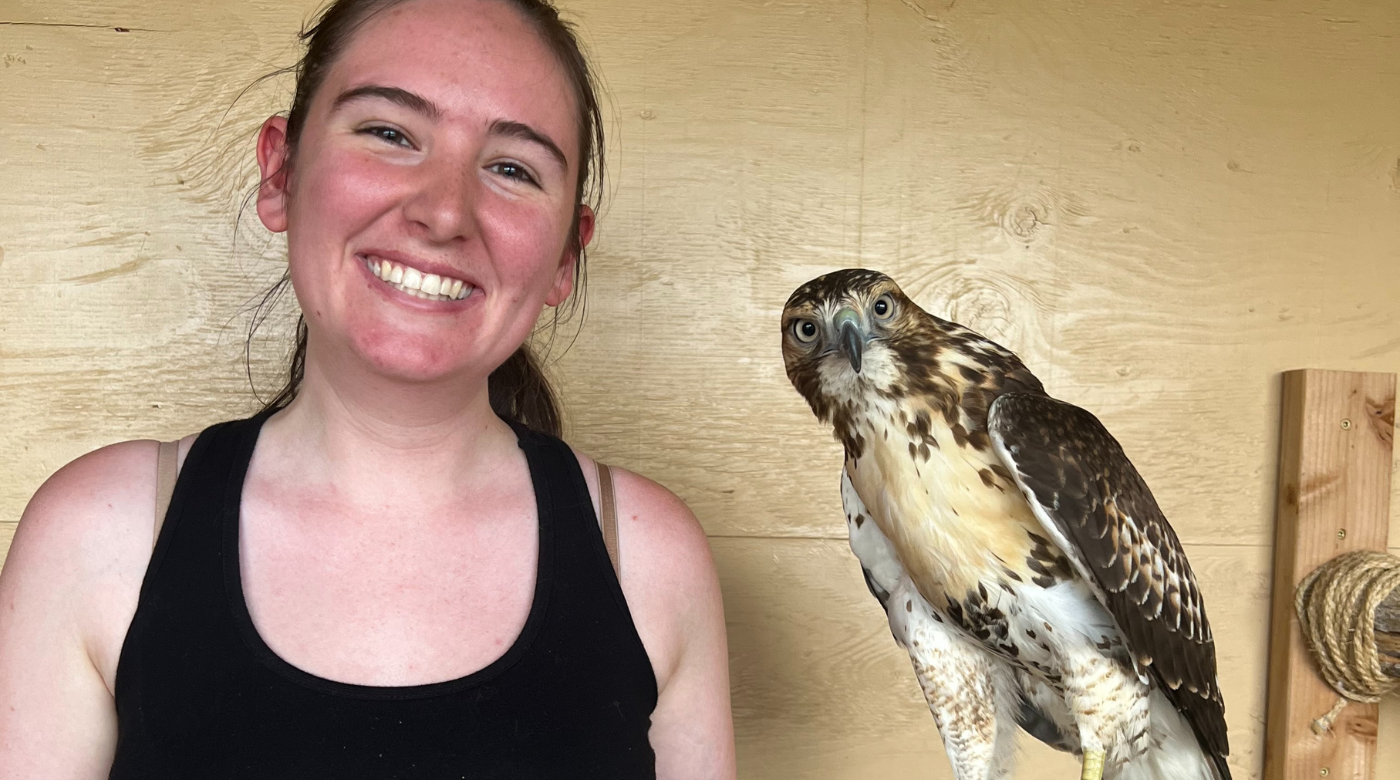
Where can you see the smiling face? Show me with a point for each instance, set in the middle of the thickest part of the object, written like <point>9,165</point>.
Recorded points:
<point>432,192</point>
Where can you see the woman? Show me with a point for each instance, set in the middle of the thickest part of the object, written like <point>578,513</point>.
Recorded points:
<point>381,577</point>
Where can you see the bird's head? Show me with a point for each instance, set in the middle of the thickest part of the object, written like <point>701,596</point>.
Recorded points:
<point>853,342</point>
<point>851,333</point>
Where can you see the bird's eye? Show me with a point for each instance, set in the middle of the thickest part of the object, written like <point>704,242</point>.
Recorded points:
<point>805,331</point>
<point>884,307</point>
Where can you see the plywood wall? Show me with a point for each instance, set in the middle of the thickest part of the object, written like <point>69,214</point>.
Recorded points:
<point>1160,205</point>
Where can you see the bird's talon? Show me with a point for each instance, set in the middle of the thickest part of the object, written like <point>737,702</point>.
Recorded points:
<point>1093,765</point>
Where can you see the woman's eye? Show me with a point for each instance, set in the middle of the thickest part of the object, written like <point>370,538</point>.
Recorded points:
<point>805,331</point>
<point>388,134</point>
<point>884,306</point>
<point>513,171</point>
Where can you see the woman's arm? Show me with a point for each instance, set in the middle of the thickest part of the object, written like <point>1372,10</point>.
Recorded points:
<point>672,590</point>
<point>67,591</point>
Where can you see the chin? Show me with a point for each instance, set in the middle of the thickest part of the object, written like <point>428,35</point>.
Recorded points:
<point>415,359</point>
<point>427,350</point>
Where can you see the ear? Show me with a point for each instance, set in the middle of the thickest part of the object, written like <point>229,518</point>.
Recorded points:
<point>564,277</point>
<point>273,153</point>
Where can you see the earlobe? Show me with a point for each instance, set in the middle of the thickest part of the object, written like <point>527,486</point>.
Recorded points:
<point>272,166</point>
<point>568,262</point>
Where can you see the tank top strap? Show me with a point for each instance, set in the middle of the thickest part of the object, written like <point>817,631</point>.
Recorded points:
<point>578,529</point>
<point>205,491</point>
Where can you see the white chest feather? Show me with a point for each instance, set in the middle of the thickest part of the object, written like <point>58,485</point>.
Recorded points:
<point>939,501</point>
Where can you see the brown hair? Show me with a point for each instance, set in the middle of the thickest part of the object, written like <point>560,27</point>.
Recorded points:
<point>518,388</point>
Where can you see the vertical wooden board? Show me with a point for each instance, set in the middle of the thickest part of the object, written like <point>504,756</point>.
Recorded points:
<point>1337,436</point>
<point>821,690</point>
<point>1388,738</point>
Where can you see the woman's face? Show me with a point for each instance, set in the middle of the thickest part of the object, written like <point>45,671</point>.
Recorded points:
<point>440,153</point>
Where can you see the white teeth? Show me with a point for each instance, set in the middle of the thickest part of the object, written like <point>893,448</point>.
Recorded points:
<point>432,287</point>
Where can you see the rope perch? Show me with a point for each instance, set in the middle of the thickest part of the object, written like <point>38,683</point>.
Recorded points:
<point>1336,607</point>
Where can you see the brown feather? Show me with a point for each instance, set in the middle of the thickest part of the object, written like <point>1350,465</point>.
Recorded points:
<point>1079,475</point>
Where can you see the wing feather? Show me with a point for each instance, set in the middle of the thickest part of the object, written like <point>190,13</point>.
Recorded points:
<point>1068,465</point>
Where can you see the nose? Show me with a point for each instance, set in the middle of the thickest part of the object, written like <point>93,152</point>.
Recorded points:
<point>442,202</point>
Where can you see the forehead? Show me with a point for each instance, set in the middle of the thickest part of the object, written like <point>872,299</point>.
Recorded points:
<point>478,60</point>
<point>837,286</point>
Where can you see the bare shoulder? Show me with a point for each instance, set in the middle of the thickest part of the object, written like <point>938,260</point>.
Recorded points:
<point>96,491</point>
<point>657,528</point>
<point>87,534</point>
<point>661,525</point>
<point>89,499</point>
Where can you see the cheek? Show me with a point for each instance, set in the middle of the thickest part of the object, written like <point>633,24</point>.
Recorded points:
<point>333,197</point>
<point>529,241</point>
<point>339,192</point>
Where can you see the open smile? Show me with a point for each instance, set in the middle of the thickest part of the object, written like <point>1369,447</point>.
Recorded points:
<point>405,278</point>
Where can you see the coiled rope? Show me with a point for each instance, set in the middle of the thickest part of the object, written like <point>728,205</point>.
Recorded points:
<point>1336,606</point>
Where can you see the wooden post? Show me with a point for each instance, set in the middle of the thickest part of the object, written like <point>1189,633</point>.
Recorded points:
<point>1333,497</point>
<point>1388,634</point>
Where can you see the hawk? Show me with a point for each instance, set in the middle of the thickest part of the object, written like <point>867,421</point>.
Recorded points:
<point>1019,556</point>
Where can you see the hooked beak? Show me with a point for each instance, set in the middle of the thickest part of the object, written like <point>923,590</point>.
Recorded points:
<point>851,340</point>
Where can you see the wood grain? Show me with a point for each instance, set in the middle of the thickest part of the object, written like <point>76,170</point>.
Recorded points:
<point>1335,459</point>
<point>1160,206</point>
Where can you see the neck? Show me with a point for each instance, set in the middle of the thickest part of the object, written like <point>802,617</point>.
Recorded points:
<point>377,439</point>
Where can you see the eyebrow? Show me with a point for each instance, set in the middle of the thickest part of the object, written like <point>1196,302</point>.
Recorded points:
<point>419,104</point>
<point>402,97</point>
<point>524,132</point>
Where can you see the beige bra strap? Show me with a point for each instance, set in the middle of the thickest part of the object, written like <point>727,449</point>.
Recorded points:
<point>167,464</point>
<point>607,508</point>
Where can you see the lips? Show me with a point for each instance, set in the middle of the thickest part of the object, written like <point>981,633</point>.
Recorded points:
<point>417,282</point>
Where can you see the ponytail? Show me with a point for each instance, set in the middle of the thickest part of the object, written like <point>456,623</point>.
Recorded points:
<point>521,392</point>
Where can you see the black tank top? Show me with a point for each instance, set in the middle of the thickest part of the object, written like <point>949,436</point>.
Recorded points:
<point>200,695</point>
